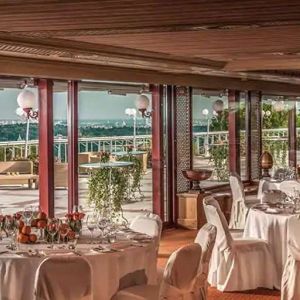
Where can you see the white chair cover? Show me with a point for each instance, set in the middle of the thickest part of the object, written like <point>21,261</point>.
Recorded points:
<point>290,284</point>
<point>182,279</point>
<point>150,224</point>
<point>206,238</point>
<point>64,277</point>
<point>240,264</point>
<point>272,196</point>
<point>239,209</point>
<point>288,186</point>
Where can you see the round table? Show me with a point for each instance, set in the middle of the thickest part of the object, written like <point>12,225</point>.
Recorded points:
<point>272,228</point>
<point>127,265</point>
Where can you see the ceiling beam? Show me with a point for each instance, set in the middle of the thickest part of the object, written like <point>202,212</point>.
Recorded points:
<point>283,62</point>
<point>17,66</point>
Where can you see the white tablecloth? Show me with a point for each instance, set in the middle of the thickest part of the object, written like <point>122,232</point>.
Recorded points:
<point>272,228</point>
<point>17,273</point>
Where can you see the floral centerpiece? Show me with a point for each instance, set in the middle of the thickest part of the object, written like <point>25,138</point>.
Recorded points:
<point>74,220</point>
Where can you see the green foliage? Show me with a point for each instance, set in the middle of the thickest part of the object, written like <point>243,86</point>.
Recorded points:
<point>278,150</point>
<point>276,119</point>
<point>219,154</point>
<point>135,173</point>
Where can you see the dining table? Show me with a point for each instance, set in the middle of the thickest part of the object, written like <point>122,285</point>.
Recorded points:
<point>130,260</point>
<point>270,224</point>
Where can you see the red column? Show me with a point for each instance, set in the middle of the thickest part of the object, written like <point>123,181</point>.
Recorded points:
<point>157,150</point>
<point>292,137</point>
<point>72,144</point>
<point>234,131</point>
<point>46,167</point>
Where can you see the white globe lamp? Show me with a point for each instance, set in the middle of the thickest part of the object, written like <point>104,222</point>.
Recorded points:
<point>26,99</point>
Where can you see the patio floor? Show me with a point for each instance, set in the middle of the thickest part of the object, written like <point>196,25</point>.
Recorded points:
<point>14,198</point>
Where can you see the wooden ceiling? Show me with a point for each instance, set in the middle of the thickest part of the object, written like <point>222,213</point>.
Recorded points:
<point>245,40</point>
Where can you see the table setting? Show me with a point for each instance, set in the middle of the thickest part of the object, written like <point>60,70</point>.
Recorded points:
<point>113,250</point>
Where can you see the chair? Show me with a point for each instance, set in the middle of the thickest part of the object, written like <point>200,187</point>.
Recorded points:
<point>289,186</point>
<point>61,175</point>
<point>237,265</point>
<point>206,238</point>
<point>64,277</point>
<point>290,283</point>
<point>272,196</point>
<point>150,224</point>
<point>182,279</point>
<point>240,204</point>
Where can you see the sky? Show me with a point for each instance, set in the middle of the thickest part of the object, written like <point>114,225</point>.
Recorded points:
<point>92,105</point>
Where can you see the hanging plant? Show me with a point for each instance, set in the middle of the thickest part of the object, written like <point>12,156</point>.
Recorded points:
<point>135,174</point>
<point>108,189</point>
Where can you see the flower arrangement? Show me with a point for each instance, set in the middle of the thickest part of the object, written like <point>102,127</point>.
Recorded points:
<point>75,221</point>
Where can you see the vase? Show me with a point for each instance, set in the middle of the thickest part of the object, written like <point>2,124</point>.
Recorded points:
<point>266,163</point>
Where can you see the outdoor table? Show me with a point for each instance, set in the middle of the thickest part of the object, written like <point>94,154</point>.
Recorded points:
<point>141,155</point>
<point>130,261</point>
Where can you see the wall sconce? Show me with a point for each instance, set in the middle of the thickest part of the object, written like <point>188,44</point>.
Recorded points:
<point>142,103</point>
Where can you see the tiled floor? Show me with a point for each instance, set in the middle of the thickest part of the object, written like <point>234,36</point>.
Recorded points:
<point>173,239</point>
<point>13,198</point>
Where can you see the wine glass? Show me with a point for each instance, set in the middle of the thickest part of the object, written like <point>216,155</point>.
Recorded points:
<point>11,226</point>
<point>63,229</point>
<point>27,214</point>
<point>91,223</point>
<point>102,225</point>
<point>52,229</point>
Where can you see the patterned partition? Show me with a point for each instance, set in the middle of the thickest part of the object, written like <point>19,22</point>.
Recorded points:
<point>255,133</point>
<point>183,134</point>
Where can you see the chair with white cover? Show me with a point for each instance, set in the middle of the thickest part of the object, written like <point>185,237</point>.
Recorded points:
<point>240,203</point>
<point>289,186</point>
<point>149,224</point>
<point>206,238</point>
<point>63,277</point>
<point>290,283</point>
<point>241,264</point>
<point>182,279</point>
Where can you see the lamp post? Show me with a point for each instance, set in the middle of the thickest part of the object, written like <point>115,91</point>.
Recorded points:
<point>131,112</point>
<point>27,101</point>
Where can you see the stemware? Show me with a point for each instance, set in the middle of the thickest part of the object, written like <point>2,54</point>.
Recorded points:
<point>91,223</point>
<point>11,226</point>
<point>103,223</point>
<point>27,214</point>
<point>52,229</point>
<point>63,229</point>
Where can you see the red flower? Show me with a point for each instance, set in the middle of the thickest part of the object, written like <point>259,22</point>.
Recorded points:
<point>69,216</point>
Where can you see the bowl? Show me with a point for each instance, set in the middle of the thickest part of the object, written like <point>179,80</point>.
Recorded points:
<point>197,175</point>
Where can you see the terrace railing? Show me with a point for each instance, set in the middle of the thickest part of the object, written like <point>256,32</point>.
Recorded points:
<point>201,142</point>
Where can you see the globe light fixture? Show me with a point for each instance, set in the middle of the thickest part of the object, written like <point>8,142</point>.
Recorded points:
<point>142,103</point>
<point>205,112</point>
<point>218,106</point>
<point>27,101</point>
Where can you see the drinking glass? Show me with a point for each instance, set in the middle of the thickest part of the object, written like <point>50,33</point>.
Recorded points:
<point>103,222</point>
<point>91,223</point>
<point>11,226</point>
<point>52,229</point>
<point>63,229</point>
<point>27,214</point>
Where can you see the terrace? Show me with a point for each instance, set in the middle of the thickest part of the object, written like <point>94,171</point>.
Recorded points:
<point>218,85</point>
